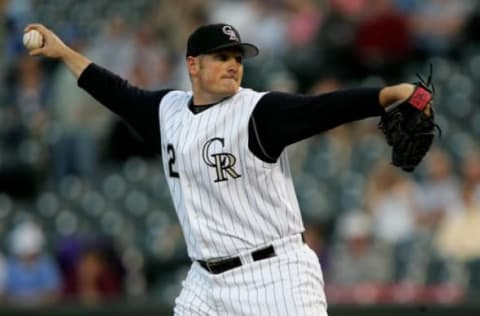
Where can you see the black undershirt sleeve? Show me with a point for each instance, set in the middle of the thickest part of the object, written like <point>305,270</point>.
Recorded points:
<point>138,107</point>
<point>280,119</point>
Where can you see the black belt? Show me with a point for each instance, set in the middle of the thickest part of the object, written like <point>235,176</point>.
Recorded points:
<point>220,266</point>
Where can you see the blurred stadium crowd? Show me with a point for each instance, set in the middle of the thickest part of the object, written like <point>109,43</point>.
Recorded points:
<point>84,210</point>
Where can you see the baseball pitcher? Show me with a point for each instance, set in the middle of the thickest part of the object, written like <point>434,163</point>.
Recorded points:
<point>223,152</point>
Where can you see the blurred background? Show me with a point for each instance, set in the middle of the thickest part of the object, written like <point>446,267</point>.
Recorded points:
<point>85,214</point>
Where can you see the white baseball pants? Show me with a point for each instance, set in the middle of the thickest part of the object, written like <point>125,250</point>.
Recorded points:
<point>291,283</point>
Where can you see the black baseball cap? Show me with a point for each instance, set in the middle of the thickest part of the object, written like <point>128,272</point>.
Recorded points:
<point>214,37</point>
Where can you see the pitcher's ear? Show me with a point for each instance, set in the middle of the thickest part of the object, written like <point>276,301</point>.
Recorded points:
<point>193,65</point>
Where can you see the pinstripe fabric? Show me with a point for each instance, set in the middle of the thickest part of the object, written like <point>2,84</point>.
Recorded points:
<point>289,284</point>
<point>195,298</point>
<point>229,203</point>
<point>223,218</point>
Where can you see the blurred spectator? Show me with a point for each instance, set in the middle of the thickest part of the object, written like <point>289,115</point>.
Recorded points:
<point>113,46</point>
<point>334,40</point>
<point>471,173</point>
<point>382,40</point>
<point>175,22</point>
<point>25,125</point>
<point>17,15</point>
<point>32,277</point>
<point>26,98</point>
<point>458,236</point>
<point>390,199</point>
<point>316,236</point>
<point>259,21</point>
<point>438,26</point>
<point>358,258</point>
<point>151,66</point>
<point>91,269</point>
<point>438,192</point>
<point>29,93</point>
<point>303,23</point>
<point>95,280</point>
<point>304,20</point>
<point>437,196</point>
<point>80,126</point>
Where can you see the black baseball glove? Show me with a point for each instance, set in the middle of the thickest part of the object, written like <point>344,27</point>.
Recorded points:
<point>410,128</point>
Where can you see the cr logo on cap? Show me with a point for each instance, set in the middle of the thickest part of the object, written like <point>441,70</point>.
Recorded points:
<point>228,30</point>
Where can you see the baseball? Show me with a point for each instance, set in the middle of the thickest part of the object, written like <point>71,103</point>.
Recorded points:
<point>32,39</point>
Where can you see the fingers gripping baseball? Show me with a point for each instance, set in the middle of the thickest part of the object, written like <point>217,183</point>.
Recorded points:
<point>32,39</point>
<point>51,45</point>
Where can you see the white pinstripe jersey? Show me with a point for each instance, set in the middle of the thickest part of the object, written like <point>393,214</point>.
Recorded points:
<point>227,200</point>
